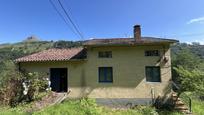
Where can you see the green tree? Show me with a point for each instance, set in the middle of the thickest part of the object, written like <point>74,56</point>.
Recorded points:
<point>192,81</point>
<point>66,44</point>
<point>186,59</point>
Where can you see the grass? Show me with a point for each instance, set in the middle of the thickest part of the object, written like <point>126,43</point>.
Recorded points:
<point>198,107</point>
<point>78,107</point>
<point>89,107</point>
<point>83,107</point>
<point>197,104</point>
<point>19,110</point>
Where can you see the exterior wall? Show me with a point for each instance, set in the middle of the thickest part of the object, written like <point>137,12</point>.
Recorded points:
<point>75,72</point>
<point>128,73</point>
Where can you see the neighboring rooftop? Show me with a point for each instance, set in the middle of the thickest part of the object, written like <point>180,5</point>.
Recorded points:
<point>128,41</point>
<point>54,55</point>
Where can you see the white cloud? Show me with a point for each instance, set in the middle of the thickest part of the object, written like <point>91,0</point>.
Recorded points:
<point>200,41</point>
<point>200,20</point>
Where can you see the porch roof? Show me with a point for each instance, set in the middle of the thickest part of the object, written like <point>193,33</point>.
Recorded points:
<point>55,54</point>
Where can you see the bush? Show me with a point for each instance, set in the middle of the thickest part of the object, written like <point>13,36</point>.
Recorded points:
<point>12,91</point>
<point>35,82</point>
<point>146,110</point>
<point>66,44</point>
<point>192,81</point>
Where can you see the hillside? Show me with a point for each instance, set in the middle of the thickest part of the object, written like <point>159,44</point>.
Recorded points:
<point>195,48</point>
<point>16,50</point>
<point>13,51</point>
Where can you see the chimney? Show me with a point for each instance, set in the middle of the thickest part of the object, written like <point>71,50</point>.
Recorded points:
<point>137,32</point>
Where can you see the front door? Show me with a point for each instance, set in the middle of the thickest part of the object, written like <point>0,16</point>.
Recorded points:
<point>58,78</point>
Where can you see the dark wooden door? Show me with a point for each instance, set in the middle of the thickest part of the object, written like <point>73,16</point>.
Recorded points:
<point>58,78</point>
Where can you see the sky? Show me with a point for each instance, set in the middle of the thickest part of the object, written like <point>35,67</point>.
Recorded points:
<point>177,19</point>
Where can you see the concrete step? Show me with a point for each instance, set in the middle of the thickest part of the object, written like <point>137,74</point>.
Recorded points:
<point>181,108</point>
<point>174,95</point>
<point>179,103</point>
<point>186,112</point>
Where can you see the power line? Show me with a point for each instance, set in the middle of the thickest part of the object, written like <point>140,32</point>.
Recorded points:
<point>62,17</point>
<point>68,16</point>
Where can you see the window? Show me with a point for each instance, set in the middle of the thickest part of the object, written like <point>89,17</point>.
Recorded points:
<point>153,74</point>
<point>105,54</point>
<point>105,74</point>
<point>152,53</point>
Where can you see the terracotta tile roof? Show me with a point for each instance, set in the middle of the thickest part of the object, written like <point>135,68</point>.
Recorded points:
<point>128,41</point>
<point>54,55</point>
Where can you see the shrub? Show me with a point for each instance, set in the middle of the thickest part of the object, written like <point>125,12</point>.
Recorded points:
<point>146,110</point>
<point>66,44</point>
<point>35,83</point>
<point>12,91</point>
<point>192,81</point>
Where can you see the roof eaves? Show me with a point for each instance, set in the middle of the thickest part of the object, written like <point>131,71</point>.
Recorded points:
<point>132,44</point>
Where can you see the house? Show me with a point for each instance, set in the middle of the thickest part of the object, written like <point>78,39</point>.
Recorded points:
<point>110,70</point>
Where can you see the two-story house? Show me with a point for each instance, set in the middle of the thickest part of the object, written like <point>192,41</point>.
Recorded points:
<point>110,70</point>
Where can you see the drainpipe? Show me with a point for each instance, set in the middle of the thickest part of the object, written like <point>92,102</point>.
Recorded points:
<point>153,95</point>
<point>19,66</point>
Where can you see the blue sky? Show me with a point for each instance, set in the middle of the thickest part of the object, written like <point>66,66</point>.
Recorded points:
<point>180,19</point>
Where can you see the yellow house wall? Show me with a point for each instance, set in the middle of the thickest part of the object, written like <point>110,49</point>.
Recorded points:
<point>74,72</point>
<point>128,73</point>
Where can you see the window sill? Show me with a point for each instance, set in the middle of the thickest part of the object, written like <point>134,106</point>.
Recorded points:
<point>148,82</point>
<point>104,82</point>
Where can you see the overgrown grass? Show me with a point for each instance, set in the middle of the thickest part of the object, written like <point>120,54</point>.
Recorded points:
<point>169,113</point>
<point>85,107</point>
<point>198,107</point>
<point>197,104</point>
<point>89,107</point>
<point>19,110</point>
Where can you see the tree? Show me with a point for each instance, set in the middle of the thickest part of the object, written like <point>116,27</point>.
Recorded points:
<point>66,44</point>
<point>186,59</point>
<point>192,81</point>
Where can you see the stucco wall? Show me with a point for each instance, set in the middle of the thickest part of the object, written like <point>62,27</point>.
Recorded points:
<point>128,73</point>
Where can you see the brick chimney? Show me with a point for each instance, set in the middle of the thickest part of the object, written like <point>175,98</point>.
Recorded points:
<point>137,32</point>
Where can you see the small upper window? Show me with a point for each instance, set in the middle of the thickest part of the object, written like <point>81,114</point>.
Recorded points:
<point>152,53</point>
<point>105,54</point>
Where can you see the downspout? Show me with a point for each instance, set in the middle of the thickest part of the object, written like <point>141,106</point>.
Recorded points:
<point>164,52</point>
<point>153,95</point>
<point>19,66</point>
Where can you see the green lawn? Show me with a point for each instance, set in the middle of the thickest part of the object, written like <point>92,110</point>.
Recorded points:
<point>89,107</point>
<point>198,107</point>
<point>83,107</point>
<point>197,104</point>
<point>86,107</point>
